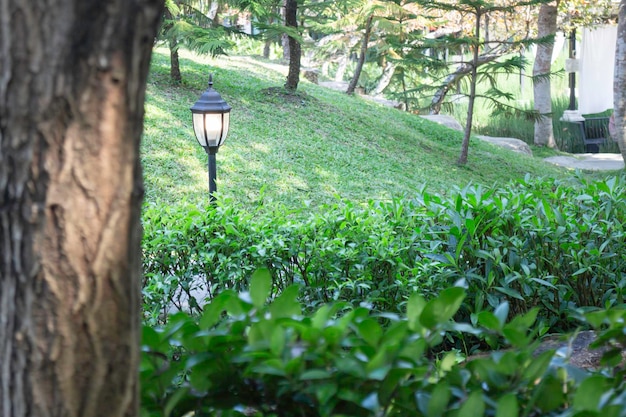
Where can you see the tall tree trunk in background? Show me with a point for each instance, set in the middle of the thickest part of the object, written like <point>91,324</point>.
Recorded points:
<point>72,87</point>
<point>619,86</point>
<point>388,70</point>
<point>341,67</point>
<point>266,48</point>
<point>284,41</point>
<point>546,26</point>
<point>291,20</point>
<point>472,96</point>
<point>173,45</point>
<point>174,62</point>
<point>362,55</point>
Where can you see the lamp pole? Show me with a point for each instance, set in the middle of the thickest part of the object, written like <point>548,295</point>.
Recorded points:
<point>212,151</point>
<point>211,120</point>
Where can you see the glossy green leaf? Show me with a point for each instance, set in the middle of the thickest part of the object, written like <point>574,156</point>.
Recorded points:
<point>439,399</point>
<point>502,313</point>
<point>173,400</point>
<point>286,304</point>
<point>313,374</point>
<point>539,366</point>
<point>507,406</point>
<point>414,308</point>
<point>278,341</point>
<point>442,308</point>
<point>474,406</point>
<point>589,392</point>
<point>488,320</point>
<point>370,331</point>
<point>260,286</point>
<point>550,394</point>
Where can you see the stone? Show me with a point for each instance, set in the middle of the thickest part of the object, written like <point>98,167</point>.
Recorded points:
<point>311,75</point>
<point>516,145</point>
<point>589,161</point>
<point>444,119</point>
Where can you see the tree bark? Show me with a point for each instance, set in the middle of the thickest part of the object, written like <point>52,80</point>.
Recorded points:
<point>472,95</point>
<point>173,46</point>
<point>291,20</point>
<point>362,55</point>
<point>619,86</point>
<point>546,25</point>
<point>72,86</point>
<point>266,48</point>
<point>385,79</point>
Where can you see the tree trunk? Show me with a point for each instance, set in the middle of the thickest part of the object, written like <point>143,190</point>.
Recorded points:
<point>72,86</point>
<point>472,96</point>
<point>284,41</point>
<point>362,55</point>
<point>174,62</point>
<point>546,25</point>
<point>452,79</point>
<point>619,86</point>
<point>385,78</point>
<point>291,20</point>
<point>266,48</point>
<point>173,46</point>
<point>341,68</point>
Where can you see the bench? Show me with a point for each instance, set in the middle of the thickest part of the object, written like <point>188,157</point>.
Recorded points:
<point>594,131</point>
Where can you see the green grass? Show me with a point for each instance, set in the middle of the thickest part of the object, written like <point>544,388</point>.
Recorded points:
<point>315,148</point>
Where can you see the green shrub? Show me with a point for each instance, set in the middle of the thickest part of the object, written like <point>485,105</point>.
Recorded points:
<point>536,243</point>
<point>243,357</point>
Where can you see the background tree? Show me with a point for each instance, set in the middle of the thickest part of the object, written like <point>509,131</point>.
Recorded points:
<point>371,13</point>
<point>71,114</point>
<point>567,15</point>
<point>195,24</point>
<point>494,56</point>
<point>542,68</point>
<point>295,48</point>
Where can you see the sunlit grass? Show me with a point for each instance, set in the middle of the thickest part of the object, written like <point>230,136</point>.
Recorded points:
<point>314,148</point>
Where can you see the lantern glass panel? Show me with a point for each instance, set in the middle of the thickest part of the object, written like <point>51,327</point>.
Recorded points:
<point>208,128</point>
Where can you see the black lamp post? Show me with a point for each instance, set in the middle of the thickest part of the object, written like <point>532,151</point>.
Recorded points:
<point>211,117</point>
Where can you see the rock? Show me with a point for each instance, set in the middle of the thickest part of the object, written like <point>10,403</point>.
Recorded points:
<point>385,102</point>
<point>444,119</point>
<point>513,144</point>
<point>311,75</point>
<point>589,161</point>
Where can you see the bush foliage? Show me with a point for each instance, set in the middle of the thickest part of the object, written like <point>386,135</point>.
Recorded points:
<point>553,245</point>
<point>243,357</point>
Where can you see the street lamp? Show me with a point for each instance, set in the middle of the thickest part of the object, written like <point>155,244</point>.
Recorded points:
<point>211,117</point>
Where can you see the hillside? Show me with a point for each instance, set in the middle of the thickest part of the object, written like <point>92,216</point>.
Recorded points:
<point>315,147</point>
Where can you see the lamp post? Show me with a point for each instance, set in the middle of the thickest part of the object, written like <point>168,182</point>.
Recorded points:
<point>211,119</point>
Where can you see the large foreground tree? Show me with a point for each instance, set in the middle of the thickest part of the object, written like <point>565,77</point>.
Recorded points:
<point>72,83</point>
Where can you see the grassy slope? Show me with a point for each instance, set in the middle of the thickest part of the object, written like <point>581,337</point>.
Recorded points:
<point>323,145</point>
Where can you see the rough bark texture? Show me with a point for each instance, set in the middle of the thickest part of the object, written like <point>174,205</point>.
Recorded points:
<point>619,87</point>
<point>362,55</point>
<point>173,46</point>
<point>72,83</point>
<point>291,20</point>
<point>546,25</point>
